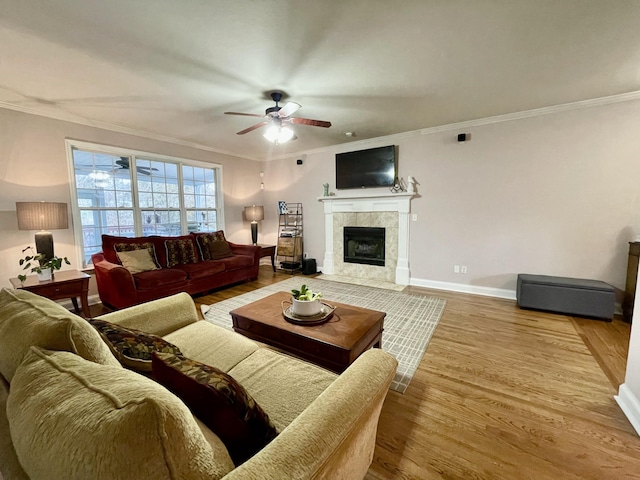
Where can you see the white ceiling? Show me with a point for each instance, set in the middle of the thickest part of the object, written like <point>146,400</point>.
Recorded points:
<point>377,67</point>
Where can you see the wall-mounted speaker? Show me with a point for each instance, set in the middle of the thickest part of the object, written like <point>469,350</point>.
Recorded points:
<point>463,137</point>
<point>299,161</point>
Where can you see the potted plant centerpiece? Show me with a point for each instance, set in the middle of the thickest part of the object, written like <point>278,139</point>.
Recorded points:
<point>304,302</point>
<point>36,263</point>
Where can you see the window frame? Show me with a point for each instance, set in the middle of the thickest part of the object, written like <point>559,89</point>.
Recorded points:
<point>70,144</point>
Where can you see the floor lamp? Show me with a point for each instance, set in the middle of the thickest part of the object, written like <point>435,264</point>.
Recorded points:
<point>42,216</point>
<point>254,214</point>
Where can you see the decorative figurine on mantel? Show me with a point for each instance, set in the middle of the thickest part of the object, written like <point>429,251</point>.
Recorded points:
<point>326,189</point>
<point>411,184</point>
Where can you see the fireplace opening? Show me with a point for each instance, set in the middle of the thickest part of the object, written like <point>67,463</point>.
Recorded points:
<point>364,245</point>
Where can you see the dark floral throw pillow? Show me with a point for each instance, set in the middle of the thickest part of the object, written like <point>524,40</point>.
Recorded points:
<point>131,347</point>
<point>220,402</point>
<point>219,249</point>
<point>204,239</point>
<point>129,247</point>
<point>180,251</point>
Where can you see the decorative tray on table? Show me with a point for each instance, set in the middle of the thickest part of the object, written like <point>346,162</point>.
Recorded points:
<point>326,312</point>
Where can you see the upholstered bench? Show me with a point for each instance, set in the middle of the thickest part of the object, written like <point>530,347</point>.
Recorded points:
<point>571,296</point>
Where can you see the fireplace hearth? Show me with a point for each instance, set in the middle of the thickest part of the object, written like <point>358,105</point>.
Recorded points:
<point>364,245</point>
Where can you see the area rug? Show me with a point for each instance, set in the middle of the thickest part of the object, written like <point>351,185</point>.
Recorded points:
<point>408,326</point>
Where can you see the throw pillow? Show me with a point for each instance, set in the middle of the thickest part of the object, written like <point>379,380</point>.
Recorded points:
<point>131,347</point>
<point>180,251</point>
<point>219,249</point>
<point>137,261</point>
<point>203,240</point>
<point>130,247</point>
<point>220,402</point>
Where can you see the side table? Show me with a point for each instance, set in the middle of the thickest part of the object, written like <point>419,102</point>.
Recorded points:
<point>64,284</point>
<point>269,251</point>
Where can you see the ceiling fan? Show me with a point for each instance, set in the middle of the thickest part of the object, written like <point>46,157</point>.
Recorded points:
<point>278,117</point>
<point>123,163</point>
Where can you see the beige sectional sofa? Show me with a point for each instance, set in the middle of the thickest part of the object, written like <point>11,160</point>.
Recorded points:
<point>69,410</point>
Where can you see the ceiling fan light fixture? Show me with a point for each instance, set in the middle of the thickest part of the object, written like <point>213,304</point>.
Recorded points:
<point>278,134</point>
<point>286,134</point>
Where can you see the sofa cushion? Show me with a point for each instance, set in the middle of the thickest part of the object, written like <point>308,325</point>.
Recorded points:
<point>219,402</point>
<point>137,261</point>
<point>180,251</point>
<point>204,238</point>
<point>132,347</point>
<point>212,344</point>
<point>237,261</point>
<point>284,386</point>
<point>158,278</point>
<point>9,463</point>
<point>74,419</point>
<point>134,245</point>
<point>204,269</point>
<point>28,319</point>
<point>219,249</point>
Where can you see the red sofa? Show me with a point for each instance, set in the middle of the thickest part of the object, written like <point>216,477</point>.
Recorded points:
<point>119,288</point>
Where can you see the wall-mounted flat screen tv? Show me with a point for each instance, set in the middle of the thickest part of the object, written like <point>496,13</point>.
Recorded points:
<point>375,167</point>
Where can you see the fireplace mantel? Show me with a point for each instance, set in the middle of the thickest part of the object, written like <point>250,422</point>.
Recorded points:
<point>370,202</point>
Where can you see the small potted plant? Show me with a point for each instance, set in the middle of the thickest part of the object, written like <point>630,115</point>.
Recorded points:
<point>304,302</point>
<point>36,263</point>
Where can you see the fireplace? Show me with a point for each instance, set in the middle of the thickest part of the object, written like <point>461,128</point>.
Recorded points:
<point>368,209</point>
<point>364,245</point>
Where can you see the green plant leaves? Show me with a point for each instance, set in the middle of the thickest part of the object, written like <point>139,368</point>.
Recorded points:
<point>305,294</point>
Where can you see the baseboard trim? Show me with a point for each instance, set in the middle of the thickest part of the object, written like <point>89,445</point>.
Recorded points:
<point>459,287</point>
<point>630,406</point>
<point>464,288</point>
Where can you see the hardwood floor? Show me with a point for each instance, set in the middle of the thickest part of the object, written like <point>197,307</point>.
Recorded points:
<point>504,393</point>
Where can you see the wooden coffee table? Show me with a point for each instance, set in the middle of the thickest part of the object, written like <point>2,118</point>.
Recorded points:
<point>333,345</point>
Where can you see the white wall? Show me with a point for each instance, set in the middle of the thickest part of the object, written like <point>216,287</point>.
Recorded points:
<point>33,167</point>
<point>553,194</point>
<point>629,393</point>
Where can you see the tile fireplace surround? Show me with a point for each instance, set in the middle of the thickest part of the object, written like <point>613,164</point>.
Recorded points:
<point>386,210</point>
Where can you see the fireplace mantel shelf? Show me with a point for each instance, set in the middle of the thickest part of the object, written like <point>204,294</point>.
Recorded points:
<point>366,196</point>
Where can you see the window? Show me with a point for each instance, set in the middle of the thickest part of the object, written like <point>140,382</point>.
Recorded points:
<point>126,193</point>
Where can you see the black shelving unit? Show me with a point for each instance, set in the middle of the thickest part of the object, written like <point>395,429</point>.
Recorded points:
<point>290,230</point>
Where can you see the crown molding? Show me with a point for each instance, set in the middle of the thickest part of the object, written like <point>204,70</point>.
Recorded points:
<point>508,117</point>
<point>69,117</point>
<point>341,147</point>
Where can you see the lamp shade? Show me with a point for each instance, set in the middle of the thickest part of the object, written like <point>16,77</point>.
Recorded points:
<point>42,215</point>
<point>254,213</point>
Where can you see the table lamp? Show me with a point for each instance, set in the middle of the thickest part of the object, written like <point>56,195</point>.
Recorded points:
<point>42,216</point>
<point>253,214</point>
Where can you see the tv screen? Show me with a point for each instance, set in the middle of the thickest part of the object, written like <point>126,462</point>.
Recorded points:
<point>375,167</point>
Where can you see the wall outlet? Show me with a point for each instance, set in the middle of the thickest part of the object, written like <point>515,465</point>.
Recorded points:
<point>463,269</point>
<point>414,217</point>
<point>456,269</point>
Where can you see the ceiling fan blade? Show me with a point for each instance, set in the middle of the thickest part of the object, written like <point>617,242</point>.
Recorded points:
<point>244,114</point>
<point>308,121</point>
<point>289,109</point>
<point>252,128</point>
<point>123,162</point>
